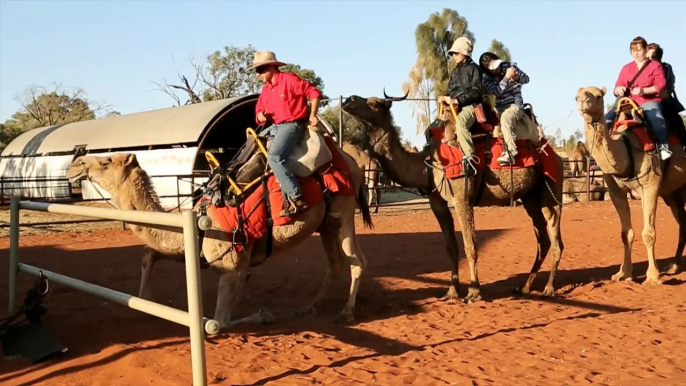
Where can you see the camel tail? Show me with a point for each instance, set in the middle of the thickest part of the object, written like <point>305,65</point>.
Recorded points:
<point>364,207</point>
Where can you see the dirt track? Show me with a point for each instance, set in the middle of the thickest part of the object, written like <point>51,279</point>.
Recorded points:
<point>595,332</point>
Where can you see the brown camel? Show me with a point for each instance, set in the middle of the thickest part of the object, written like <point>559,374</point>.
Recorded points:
<point>370,169</point>
<point>130,186</point>
<point>409,170</point>
<point>645,177</point>
<point>577,160</point>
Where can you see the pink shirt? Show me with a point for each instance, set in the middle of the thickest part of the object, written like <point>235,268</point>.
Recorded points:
<point>652,76</point>
<point>285,100</point>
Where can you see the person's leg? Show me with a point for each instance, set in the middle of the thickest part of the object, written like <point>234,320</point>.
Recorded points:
<point>465,119</point>
<point>612,114</point>
<point>286,136</point>
<point>653,113</point>
<point>509,116</point>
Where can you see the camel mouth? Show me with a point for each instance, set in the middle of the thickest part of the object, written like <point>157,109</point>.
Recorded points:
<point>80,176</point>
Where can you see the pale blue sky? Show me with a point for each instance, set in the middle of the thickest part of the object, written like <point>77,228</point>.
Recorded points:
<point>115,49</point>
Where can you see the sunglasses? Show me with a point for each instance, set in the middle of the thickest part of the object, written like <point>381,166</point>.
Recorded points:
<point>261,70</point>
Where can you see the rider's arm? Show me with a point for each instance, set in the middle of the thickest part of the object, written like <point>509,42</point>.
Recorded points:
<point>523,78</point>
<point>659,81</point>
<point>260,107</point>
<point>492,87</point>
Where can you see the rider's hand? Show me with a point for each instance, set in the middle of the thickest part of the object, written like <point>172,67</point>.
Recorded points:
<point>261,117</point>
<point>620,90</point>
<point>637,91</point>
<point>314,121</point>
<point>510,72</point>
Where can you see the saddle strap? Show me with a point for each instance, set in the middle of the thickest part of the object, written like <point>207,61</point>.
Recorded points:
<point>270,221</point>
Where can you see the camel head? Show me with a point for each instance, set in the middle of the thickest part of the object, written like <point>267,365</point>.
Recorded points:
<point>106,171</point>
<point>375,112</point>
<point>589,102</point>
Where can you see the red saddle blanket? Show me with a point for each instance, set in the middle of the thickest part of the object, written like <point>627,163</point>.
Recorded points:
<point>336,178</point>
<point>527,157</point>
<point>641,133</point>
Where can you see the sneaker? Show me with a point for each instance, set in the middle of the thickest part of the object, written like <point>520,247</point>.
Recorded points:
<point>295,205</point>
<point>665,153</point>
<point>505,159</point>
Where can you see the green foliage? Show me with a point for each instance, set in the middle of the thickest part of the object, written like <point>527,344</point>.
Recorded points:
<point>498,48</point>
<point>223,74</point>
<point>434,38</point>
<point>430,74</point>
<point>41,107</point>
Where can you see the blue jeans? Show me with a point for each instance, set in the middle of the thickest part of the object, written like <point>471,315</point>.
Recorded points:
<point>653,113</point>
<point>286,137</point>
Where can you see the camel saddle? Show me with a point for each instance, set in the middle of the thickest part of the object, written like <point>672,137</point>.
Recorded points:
<point>630,120</point>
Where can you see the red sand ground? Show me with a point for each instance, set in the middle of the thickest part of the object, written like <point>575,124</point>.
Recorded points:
<point>596,332</point>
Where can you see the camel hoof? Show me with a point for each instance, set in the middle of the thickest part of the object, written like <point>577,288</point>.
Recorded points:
<point>548,292</point>
<point>653,280</point>
<point>472,297</point>
<point>309,311</point>
<point>346,316</point>
<point>451,296</point>
<point>619,276</point>
<point>267,317</point>
<point>673,269</point>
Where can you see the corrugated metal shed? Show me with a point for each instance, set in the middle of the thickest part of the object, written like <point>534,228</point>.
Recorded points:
<point>174,125</point>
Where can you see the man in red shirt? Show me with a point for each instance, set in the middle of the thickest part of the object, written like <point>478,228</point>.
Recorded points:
<point>283,103</point>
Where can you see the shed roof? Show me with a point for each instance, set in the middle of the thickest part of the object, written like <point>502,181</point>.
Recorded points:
<point>168,126</point>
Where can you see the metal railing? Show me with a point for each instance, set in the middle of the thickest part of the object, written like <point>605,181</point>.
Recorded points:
<point>187,221</point>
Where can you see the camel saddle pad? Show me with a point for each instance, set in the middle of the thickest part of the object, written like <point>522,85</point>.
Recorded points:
<point>335,177</point>
<point>636,127</point>
<point>309,154</point>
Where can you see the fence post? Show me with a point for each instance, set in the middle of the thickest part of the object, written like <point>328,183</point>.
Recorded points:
<point>14,252</point>
<point>193,288</point>
<point>588,178</point>
<point>340,120</point>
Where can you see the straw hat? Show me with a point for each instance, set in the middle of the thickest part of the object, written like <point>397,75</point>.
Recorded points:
<point>265,58</point>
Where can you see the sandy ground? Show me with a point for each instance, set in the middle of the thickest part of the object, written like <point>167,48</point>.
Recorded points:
<point>595,332</point>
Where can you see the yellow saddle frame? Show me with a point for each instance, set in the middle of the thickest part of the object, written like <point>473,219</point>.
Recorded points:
<point>233,185</point>
<point>626,101</point>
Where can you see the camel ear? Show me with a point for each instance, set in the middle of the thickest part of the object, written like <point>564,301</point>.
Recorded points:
<point>125,160</point>
<point>603,90</point>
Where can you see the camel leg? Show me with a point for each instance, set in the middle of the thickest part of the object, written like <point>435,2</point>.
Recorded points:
<point>150,256</point>
<point>350,248</point>
<point>621,204</point>
<point>465,213</point>
<point>233,274</point>
<point>333,255</point>
<point>553,214</point>
<point>649,205</point>
<point>441,211</point>
<point>677,207</point>
<point>532,205</point>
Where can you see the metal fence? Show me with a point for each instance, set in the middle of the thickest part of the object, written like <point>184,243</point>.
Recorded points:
<point>186,221</point>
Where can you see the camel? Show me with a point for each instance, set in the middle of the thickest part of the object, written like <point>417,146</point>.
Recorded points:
<point>370,169</point>
<point>574,189</point>
<point>644,177</point>
<point>577,160</point>
<point>130,187</point>
<point>540,198</point>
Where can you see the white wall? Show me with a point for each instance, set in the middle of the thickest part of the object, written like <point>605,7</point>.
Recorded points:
<point>32,168</point>
<point>162,162</point>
